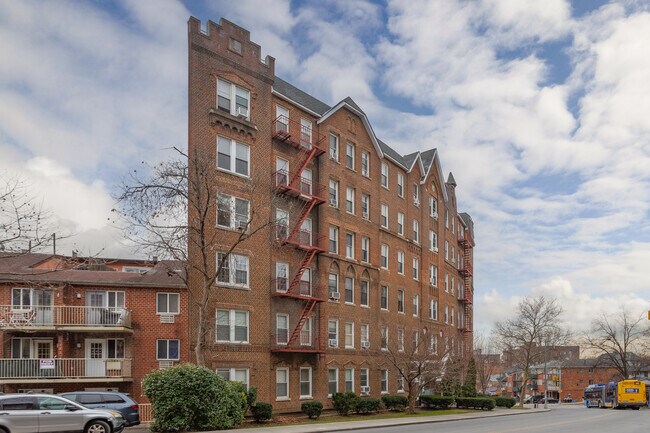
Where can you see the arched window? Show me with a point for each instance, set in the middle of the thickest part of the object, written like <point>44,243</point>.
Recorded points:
<point>364,289</point>
<point>333,281</point>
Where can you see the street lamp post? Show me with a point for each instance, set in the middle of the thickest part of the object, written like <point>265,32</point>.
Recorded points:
<point>545,378</point>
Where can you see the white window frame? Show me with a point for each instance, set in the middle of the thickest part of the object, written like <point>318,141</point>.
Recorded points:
<point>365,157</point>
<point>351,370</point>
<point>334,152</point>
<point>400,299</point>
<point>416,269</point>
<point>381,293</point>
<point>350,146</point>
<point>277,329</point>
<point>365,249</point>
<point>168,295</point>
<point>365,206</point>
<point>384,220</point>
<point>336,330</point>
<point>384,175</point>
<point>400,185</point>
<point>433,207</point>
<point>167,358</point>
<point>287,374</point>
<point>364,333</point>
<point>232,271</point>
<point>385,250</point>
<point>400,223</point>
<point>232,209</point>
<point>349,326</point>
<point>349,245</point>
<point>309,382</point>
<point>233,157</point>
<point>433,241</point>
<point>333,238</point>
<point>433,275</point>
<point>336,372</point>
<point>231,325</point>
<point>333,189</point>
<point>416,231</point>
<point>349,200</point>
<point>433,309</point>
<point>232,94</point>
<point>351,279</point>
<point>400,339</point>
<point>400,262</point>
<point>416,305</point>
<point>232,373</point>
<point>384,381</point>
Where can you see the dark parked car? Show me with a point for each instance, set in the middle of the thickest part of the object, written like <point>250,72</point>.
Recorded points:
<point>108,400</point>
<point>551,400</point>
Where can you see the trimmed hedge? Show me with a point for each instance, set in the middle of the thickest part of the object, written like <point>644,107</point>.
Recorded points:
<point>367,405</point>
<point>312,409</point>
<point>262,411</point>
<point>190,397</point>
<point>505,401</point>
<point>344,403</point>
<point>395,402</point>
<point>475,403</point>
<point>436,401</point>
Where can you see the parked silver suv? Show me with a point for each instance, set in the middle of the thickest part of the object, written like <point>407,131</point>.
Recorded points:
<point>38,413</point>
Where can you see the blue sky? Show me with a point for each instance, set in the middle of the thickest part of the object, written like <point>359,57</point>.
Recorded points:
<point>538,108</point>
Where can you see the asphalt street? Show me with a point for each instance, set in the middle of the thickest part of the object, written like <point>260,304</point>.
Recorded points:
<point>562,419</point>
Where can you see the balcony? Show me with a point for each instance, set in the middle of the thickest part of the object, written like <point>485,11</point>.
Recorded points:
<point>465,269</point>
<point>466,296</point>
<point>65,370</point>
<point>65,318</point>
<point>306,343</point>
<point>297,135</point>
<point>305,290</point>
<point>466,240</point>
<point>301,239</point>
<point>295,185</point>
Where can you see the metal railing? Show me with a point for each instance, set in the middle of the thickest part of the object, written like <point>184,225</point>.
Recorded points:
<point>285,180</point>
<point>61,368</point>
<point>53,316</point>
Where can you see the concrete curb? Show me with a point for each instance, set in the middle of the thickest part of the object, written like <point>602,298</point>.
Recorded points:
<point>379,423</point>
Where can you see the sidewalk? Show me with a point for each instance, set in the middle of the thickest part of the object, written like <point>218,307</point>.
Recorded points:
<point>371,423</point>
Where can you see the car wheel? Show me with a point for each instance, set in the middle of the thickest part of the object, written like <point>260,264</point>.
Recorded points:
<point>97,426</point>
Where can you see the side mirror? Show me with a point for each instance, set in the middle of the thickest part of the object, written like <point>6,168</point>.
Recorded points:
<point>71,407</point>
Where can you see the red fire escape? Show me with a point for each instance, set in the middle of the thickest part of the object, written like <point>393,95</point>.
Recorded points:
<point>296,235</point>
<point>467,244</point>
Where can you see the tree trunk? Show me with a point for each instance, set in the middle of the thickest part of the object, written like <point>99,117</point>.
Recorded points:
<point>523,390</point>
<point>200,330</point>
<point>412,398</point>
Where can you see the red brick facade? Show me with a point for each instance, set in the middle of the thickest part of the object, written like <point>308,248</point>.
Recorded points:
<point>271,124</point>
<point>66,325</point>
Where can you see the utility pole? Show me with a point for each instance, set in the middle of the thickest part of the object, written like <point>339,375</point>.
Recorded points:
<point>545,377</point>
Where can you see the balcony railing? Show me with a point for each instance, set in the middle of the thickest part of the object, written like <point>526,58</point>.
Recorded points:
<point>296,134</point>
<point>63,316</point>
<point>293,184</point>
<point>305,289</point>
<point>306,343</point>
<point>466,296</point>
<point>303,239</point>
<point>64,368</point>
<point>465,269</point>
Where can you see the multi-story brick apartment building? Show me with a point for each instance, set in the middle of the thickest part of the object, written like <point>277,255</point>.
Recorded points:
<point>367,247</point>
<point>69,323</point>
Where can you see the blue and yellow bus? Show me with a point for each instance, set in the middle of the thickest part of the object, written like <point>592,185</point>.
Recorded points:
<point>621,395</point>
<point>600,395</point>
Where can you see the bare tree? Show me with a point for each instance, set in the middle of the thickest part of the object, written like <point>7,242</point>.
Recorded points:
<point>535,326</point>
<point>170,212</point>
<point>419,362</point>
<point>24,223</point>
<point>620,340</point>
<point>487,361</point>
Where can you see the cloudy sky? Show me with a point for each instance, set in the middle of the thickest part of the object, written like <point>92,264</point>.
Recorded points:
<point>540,109</point>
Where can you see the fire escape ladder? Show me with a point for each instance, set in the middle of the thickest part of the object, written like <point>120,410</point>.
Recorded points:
<point>306,210</point>
<point>310,156</point>
<point>304,316</point>
<point>306,261</point>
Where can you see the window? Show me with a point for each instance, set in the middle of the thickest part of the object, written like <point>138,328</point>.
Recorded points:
<point>334,147</point>
<point>400,340</point>
<point>384,216</point>
<point>305,333</point>
<point>384,297</point>
<point>234,375</point>
<point>453,223</point>
<point>334,193</point>
<point>416,305</point>
<point>453,254</point>
<point>234,271</point>
<point>433,344</point>
<point>349,380</point>
<point>365,206</point>
<point>365,333</point>
<point>400,383</point>
<point>416,194</point>
<point>281,277</point>
<point>349,245</point>
<point>282,384</point>
<point>282,328</point>
<point>384,381</point>
<point>305,382</point>
<point>446,313</point>
<point>364,293</point>
<point>334,240</point>
<point>384,338</point>
<point>232,212</point>
<point>453,284</point>
<point>349,335</point>
<point>446,250</point>
<point>416,268</point>
<point>433,241</point>
<point>349,290</point>
<point>400,262</point>
<point>433,207</point>
<point>400,223</point>
<point>433,309</point>
<point>433,275</point>
<point>447,283</point>
<point>400,301</point>
<point>167,303</point>
<point>365,249</point>
<point>167,350</point>
<point>446,218</point>
<point>305,133</point>
<point>400,184</point>
<point>416,231</point>
<point>233,156</point>
<point>384,256</point>
<point>332,381</point>
<point>384,175</point>
<point>364,383</point>
<point>333,283</point>
<point>349,155</point>
<point>227,93</point>
<point>232,326</point>
<point>365,164</point>
<point>333,331</point>
<point>415,341</point>
<point>452,317</point>
<point>349,200</point>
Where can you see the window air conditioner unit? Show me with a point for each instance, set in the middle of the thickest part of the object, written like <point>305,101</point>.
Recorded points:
<point>165,364</point>
<point>334,203</point>
<point>435,249</point>
<point>335,296</point>
<point>365,390</point>
<point>416,202</point>
<point>365,344</point>
<point>242,112</point>
<point>333,155</point>
<point>364,215</point>
<point>167,318</point>
<point>333,342</point>
<point>241,225</point>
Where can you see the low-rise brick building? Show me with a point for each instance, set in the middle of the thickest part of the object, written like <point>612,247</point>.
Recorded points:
<point>68,323</point>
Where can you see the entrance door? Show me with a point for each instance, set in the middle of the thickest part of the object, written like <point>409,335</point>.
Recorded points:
<point>96,355</point>
<point>282,172</point>
<point>306,182</point>
<point>43,301</point>
<point>305,232</point>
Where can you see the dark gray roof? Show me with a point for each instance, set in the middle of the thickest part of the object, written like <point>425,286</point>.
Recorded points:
<point>408,159</point>
<point>390,152</point>
<point>427,158</point>
<point>353,104</point>
<point>297,95</point>
<point>450,180</point>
